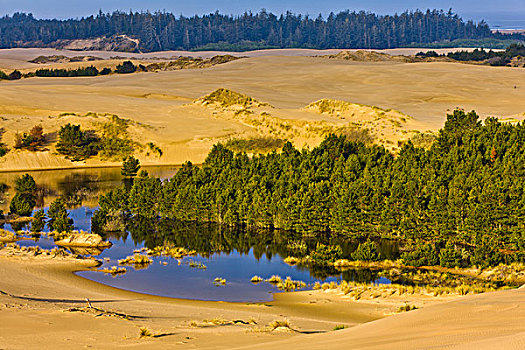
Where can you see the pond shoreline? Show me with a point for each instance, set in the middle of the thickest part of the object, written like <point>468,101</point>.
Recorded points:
<point>36,287</point>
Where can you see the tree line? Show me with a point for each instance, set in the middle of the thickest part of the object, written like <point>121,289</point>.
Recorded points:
<point>468,190</point>
<point>494,58</point>
<point>164,31</point>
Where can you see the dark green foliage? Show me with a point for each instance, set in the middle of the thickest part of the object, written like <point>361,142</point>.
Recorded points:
<point>38,223</point>
<point>366,251</point>
<point>59,219</point>
<point>499,42</point>
<point>22,205</point>
<point>326,254</point>
<point>424,254</point>
<point>494,58</point>
<point>3,76</point>
<point>3,149</point>
<point>112,212</point>
<point>32,141</point>
<point>470,183</point>
<point>164,31</point>
<point>449,256</point>
<point>487,254</point>
<point>76,144</point>
<point>105,71</point>
<point>130,167</point>
<point>427,54</point>
<point>90,71</point>
<point>25,184</point>
<point>15,75</point>
<point>126,67</point>
<point>24,200</point>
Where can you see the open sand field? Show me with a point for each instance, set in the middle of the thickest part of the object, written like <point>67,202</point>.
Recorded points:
<point>419,94</point>
<point>43,302</point>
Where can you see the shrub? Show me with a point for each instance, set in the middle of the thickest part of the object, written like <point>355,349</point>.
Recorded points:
<point>155,149</point>
<point>3,76</point>
<point>366,251</point>
<point>326,254</point>
<point>15,75</point>
<point>105,71</point>
<point>130,167</point>
<point>24,200</point>
<point>76,144</point>
<point>126,67</point>
<point>22,205</point>
<point>90,71</point>
<point>59,219</point>
<point>31,141</point>
<point>114,142</point>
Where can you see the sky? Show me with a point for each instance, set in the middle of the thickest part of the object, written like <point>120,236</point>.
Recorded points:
<point>504,12</point>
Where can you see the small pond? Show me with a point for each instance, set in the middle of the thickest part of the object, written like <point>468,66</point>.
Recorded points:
<point>235,255</point>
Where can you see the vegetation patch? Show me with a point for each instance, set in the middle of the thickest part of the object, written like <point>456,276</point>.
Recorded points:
<point>114,271</point>
<point>262,144</point>
<point>33,141</point>
<point>227,98</point>
<point>138,260</point>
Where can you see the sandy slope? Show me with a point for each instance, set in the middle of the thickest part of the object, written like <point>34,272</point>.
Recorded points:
<point>36,294</point>
<point>18,58</point>
<point>487,321</point>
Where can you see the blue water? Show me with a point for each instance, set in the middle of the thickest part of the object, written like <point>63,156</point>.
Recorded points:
<point>182,281</point>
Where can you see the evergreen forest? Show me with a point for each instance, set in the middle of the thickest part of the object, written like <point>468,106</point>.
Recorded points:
<point>460,202</point>
<point>164,31</point>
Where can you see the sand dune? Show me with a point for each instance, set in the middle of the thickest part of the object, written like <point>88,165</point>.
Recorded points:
<point>36,294</point>
<point>487,321</point>
<point>425,92</point>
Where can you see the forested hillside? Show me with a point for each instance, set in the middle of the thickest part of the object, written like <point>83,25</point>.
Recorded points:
<point>468,188</point>
<point>165,31</point>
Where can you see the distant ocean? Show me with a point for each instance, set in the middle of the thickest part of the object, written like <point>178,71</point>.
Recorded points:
<point>499,20</point>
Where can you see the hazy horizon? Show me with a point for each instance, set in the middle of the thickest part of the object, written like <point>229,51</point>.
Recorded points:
<point>510,14</point>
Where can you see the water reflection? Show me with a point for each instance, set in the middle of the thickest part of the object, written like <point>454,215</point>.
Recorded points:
<point>230,253</point>
<point>80,187</point>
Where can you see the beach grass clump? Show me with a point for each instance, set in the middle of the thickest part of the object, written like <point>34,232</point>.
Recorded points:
<point>137,260</point>
<point>114,271</point>
<point>290,260</point>
<point>339,327</point>
<point>171,252</point>
<point>289,285</point>
<point>219,281</point>
<point>279,324</point>
<point>406,308</point>
<point>256,279</point>
<point>275,279</point>
<point>198,265</point>
<point>317,286</point>
<point>145,333</point>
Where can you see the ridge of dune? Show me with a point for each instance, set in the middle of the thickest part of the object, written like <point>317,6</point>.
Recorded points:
<point>486,321</point>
